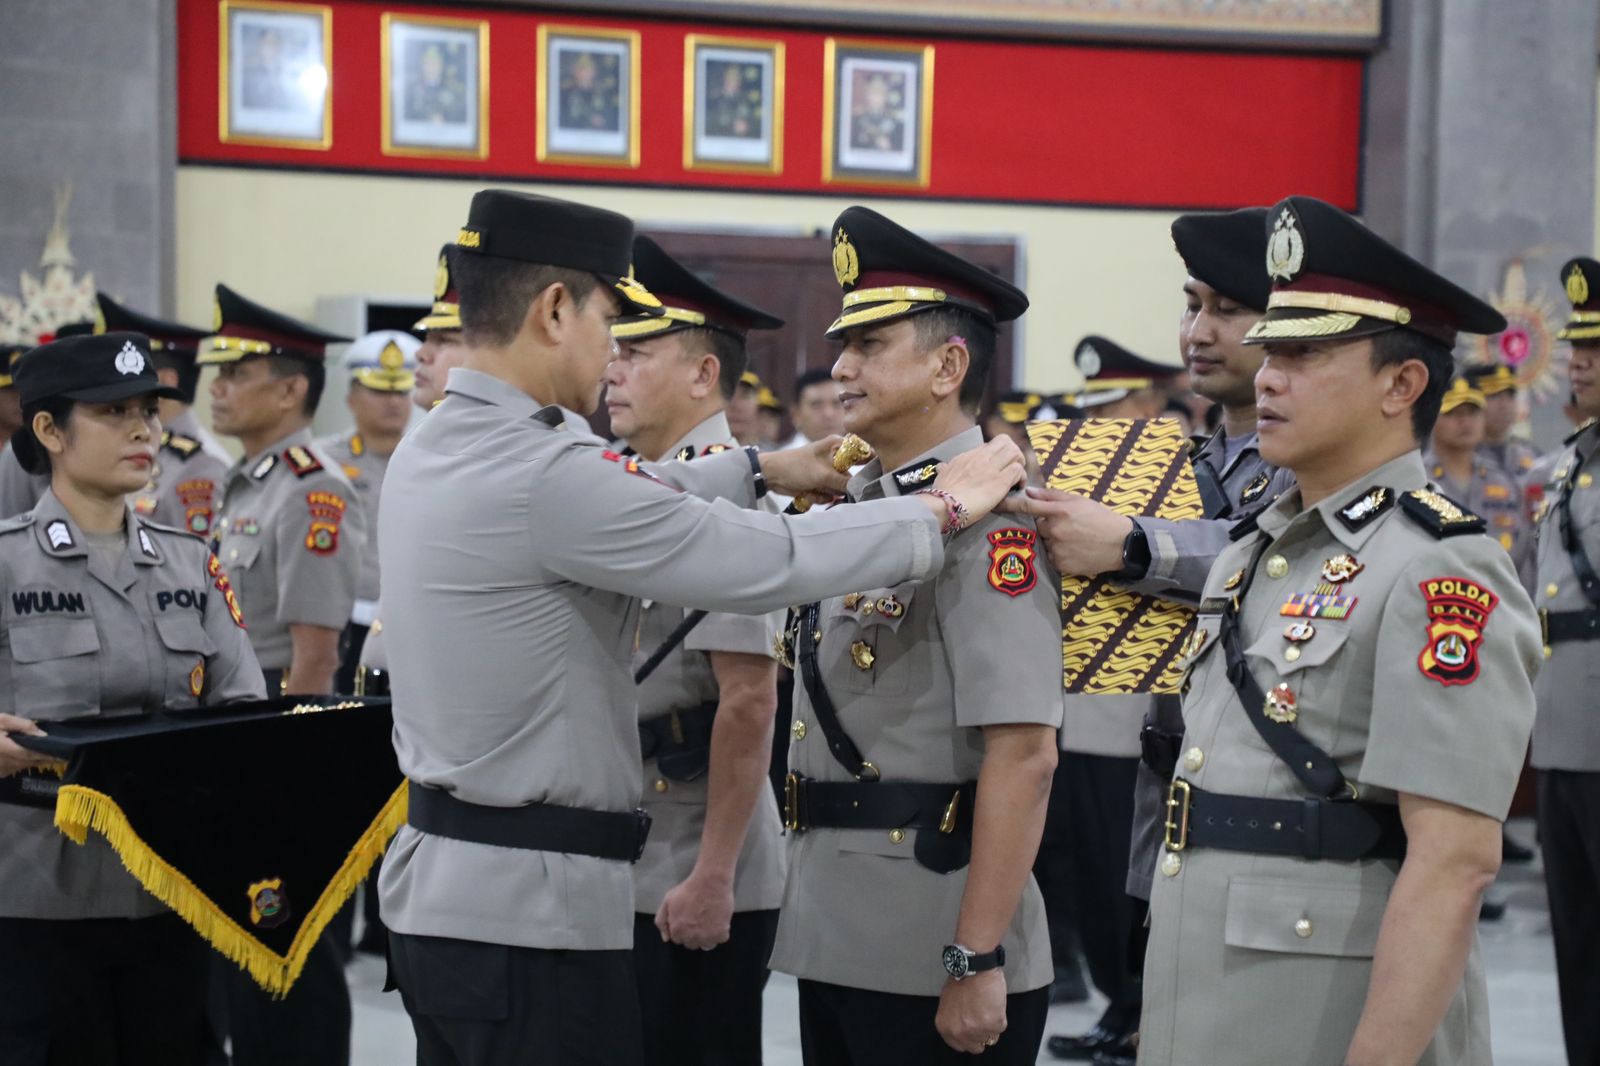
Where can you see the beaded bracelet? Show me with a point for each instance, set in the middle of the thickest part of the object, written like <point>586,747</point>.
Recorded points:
<point>955,512</point>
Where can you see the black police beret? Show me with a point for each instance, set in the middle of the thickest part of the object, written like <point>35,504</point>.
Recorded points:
<point>888,272</point>
<point>1581,278</point>
<point>1225,250</point>
<point>1334,278</point>
<point>81,328</point>
<point>97,368</point>
<point>688,301</point>
<point>171,337</point>
<point>1110,372</point>
<point>558,233</point>
<point>245,328</point>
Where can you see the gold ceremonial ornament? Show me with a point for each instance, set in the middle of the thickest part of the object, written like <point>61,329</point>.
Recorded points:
<point>861,655</point>
<point>851,451</point>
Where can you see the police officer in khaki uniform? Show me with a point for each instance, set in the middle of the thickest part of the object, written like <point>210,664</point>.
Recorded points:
<point>19,490</point>
<point>926,709</point>
<point>526,551</point>
<point>292,534</point>
<point>1457,463</point>
<point>1498,383</point>
<point>1358,702</point>
<point>381,382</point>
<point>706,889</point>
<point>105,613</point>
<point>1566,736</point>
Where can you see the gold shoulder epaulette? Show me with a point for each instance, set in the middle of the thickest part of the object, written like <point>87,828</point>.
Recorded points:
<point>184,446</point>
<point>1439,514</point>
<point>301,461</point>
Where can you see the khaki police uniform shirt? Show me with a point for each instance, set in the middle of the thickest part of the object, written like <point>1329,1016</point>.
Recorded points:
<point>1495,495</point>
<point>19,490</point>
<point>79,639</point>
<point>1514,456</point>
<point>185,487</point>
<point>958,650</point>
<point>365,469</point>
<point>682,681</point>
<point>1567,733</point>
<point>292,534</point>
<point>1257,959</point>
<point>510,640</point>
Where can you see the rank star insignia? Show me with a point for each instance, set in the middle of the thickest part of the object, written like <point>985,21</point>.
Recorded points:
<point>264,467</point>
<point>1373,503</point>
<point>1258,484</point>
<point>1341,568</point>
<point>1458,609</point>
<point>1011,568</point>
<point>1280,706</point>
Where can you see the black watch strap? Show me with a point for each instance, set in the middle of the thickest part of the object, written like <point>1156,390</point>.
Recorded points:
<point>989,960</point>
<point>1135,556</point>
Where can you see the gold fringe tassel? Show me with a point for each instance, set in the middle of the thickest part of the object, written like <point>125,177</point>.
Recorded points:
<point>79,809</point>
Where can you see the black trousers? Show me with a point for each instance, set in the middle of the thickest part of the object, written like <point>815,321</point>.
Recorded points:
<point>351,641</point>
<point>703,1008</point>
<point>842,1026</point>
<point>102,992</point>
<point>308,1027</point>
<point>1569,835</point>
<point>475,1004</point>
<point>1093,798</point>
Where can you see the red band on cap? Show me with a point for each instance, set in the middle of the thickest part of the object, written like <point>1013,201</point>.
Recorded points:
<point>883,279</point>
<point>274,338</point>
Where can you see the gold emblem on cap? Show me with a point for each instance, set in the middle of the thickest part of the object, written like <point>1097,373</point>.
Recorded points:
<point>391,358</point>
<point>1286,248</point>
<point>1577,286</point>
<point>441,279</point>
<point>846,264</point>
<point>216,313</point>
<point>469,238</point>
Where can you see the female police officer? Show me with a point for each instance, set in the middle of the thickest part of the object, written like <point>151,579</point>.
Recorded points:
<point>101,613</point>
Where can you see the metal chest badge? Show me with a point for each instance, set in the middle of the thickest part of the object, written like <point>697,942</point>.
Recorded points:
<point>1341,568</point>
<point>1258,485</point>
<point>1458,609</point>
<point>1281,704</point>
<point>1011,565</point>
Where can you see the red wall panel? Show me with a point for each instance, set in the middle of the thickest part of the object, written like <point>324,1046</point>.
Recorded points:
<point>1012,121</point>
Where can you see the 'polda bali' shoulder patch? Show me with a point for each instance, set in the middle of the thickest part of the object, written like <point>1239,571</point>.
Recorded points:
<point>1011,560</point>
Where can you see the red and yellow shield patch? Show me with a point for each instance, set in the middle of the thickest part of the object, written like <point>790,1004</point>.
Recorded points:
<point>219,578</point>
<point>327,511</point>
<point>1011,555</point>
<point>1458,609</point>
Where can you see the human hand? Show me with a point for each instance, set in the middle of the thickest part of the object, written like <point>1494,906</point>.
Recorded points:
<point>1084,537</point>
<point>980,479</point>
<point>697,913</point>
<point>14,758</point>
<point>972,1011</point>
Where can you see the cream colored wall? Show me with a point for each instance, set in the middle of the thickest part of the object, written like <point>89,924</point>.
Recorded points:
<point>287,238</point>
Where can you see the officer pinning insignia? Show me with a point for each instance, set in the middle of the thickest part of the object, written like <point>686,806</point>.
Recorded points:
<point>1439,514</point>
<point>1341,568</point>
<point>301,461</point>
<point>1323,602</point>
<point>917,476</point>
<point>1258,485</point>
<point>327,511</point>
<point>224,587</point>
<point>1011,560</point>
<point>264,467</point>
<point>1458,610</point>
<point>60,535</point>
<point>1281,704</point>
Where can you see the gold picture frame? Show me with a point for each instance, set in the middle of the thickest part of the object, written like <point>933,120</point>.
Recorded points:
<point>426,126</point>
<point>889,136</point>
<point>273,70</point>
<point>716,120</point>
<point>598,125</point>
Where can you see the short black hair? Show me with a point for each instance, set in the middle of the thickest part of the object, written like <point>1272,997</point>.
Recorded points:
<point>939,325</point>
<point>315,373</point>
<point>729,350</point>
<point>31,454</point>
<point>1395,346</point>
<point>186,368</point>
<point>817,375</point>
<point>496,293</point>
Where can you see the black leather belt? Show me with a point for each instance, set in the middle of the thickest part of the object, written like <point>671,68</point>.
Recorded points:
<point>1562,626</point>
<point>679,741</point>
<point>1159,750</point>
<point>534,827</point>
<point>809,804</point>
<point>1309,828</point>
<point>30,788</point>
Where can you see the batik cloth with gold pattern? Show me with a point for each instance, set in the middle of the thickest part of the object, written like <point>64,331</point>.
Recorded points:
<point>1407,654</point>
<point>916,671</point>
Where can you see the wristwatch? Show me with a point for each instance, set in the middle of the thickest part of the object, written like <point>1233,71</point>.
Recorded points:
<point>1135,556</point>
<point>962,962</point>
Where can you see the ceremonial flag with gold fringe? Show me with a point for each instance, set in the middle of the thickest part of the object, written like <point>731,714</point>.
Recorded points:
<point>254,822</point>
<point>1114,641</point>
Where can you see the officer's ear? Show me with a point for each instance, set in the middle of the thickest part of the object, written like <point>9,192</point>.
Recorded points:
<point>951,371</point>
<point>52,434</point>
<point>550,313</point>
<point>1408,380</point>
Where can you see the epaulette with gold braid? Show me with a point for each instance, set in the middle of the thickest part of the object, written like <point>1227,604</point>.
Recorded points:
<point>184,446</point>
<point>301,461</point>
<point>1439,514</point>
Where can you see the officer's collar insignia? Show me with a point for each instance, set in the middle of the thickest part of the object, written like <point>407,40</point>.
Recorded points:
<point>1258,484</point>
<point>686,452</point>
<point>301,461</point>
<point>1011,568</point>
<point>1577,286</point>
<point>1457,610</point>
<point>1439,514</point>
<point>264,467</point>
<point>60,535</point>
<point>1341,568</point>
<point>146,545</point>
<point>714,449</point>
<point>1373,503</point>
<point>1286,248</point>
<point>846,263</point>
<point>1235,579</point>
<point>184,446</point>
<point>916,476</point>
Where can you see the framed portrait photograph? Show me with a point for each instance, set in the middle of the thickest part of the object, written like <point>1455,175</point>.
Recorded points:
<point>588,96</point>
<point>276,73</point>
<point>877,112</point>
<point>435,86</point>
<point>732,104</point>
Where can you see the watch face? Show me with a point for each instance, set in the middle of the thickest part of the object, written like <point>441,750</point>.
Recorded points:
<point>955,961</point>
